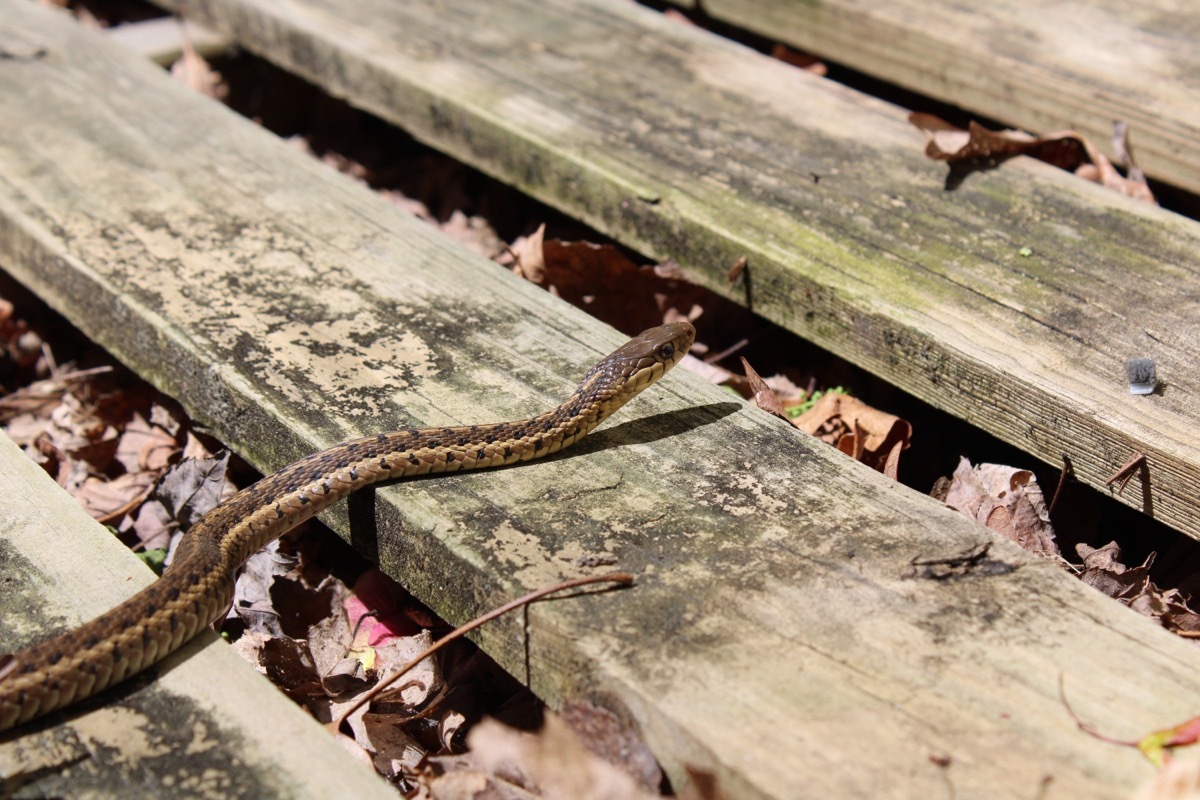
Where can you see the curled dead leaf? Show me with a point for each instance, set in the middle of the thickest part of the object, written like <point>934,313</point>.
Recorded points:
<point>552,763</point>
<point>867,434</point>
<point>529,256</point>
<point>764,396</point>
<point>602,280</point>
<point>1007,500</point>
<point>1104,571</point>
<point>981,148</point>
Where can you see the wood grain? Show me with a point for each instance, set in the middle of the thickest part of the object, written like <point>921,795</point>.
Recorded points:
<point>686,146</point>
<point>207,726</point>
<point>779,633</point>
<point>1043,68</point>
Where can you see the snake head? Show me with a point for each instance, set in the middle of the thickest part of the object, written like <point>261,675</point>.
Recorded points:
<point>643,359</point>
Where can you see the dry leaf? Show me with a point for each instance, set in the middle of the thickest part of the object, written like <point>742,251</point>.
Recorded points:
<point>194,72</point>
<point>601,280</point>
<point>736,270</point>
<point>1179,779</point>
<point>617,742</point>
<point>102,498</point>
<point>1005,499</point>
<point>192,488</point>
<point>867,434</point>
<point>1104,571</point>
<point>530,257</point>
<point>152,526</point>
<point>552,763</point>
<point>252,596</point>
<point>144,446</point>
<point>979,147</point>
<point>804,61</point>
<point>702,785</point>
<point>764,397</point>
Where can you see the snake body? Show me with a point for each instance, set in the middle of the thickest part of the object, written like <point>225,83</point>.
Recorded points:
<point>198,587</point>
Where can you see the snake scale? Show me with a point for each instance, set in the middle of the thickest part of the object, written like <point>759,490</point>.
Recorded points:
<point>198,587</point>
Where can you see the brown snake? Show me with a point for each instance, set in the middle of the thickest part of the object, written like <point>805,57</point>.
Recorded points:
<point>198,587</point>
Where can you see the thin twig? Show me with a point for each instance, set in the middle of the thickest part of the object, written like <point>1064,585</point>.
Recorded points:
<point>117,513</point>
<point>1136,461</point>
<point>1068,473</point>
<point>713,358</point>
<point>1084,726</point>
<point>623,578</point>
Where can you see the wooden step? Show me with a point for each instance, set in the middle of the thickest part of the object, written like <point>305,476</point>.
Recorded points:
<point>203,723</point>
<point>162,40</point>
<point>1013,302</point>
<point>1040,67</point>
<point>779,632</point>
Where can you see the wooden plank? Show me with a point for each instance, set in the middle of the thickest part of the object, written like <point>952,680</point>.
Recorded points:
<point>161,40</point>
<point>1042,68</point>
<point>778,634</point>
<point>59,568</point>
<point>850,238</point>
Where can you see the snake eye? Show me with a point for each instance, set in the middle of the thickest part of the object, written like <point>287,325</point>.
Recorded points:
<point>666,351</point>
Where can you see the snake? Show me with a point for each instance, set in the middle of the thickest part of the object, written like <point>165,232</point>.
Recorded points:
<point>197,589</point>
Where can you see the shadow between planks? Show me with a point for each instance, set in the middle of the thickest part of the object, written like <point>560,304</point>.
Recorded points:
<point>779,633</point>
<point>1012,303</point>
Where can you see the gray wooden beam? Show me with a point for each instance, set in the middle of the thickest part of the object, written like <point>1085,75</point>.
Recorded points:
<point>778,633</point>
<point>1012,302</point>
<point>1042,68</point>
<point>202,724</point>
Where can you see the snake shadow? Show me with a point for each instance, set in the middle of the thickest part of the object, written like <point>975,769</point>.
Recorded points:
<point>645,430</point>
<point>361,506</point>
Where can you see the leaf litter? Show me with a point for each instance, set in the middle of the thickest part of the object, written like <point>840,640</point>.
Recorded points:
<point>332,646</point>
<point>979,148</point>
<point>605,281</point>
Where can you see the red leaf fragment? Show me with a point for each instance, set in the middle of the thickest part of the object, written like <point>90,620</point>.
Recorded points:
<point>1155,746</point>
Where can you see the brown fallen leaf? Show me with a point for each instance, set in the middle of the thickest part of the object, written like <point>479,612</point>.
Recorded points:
<point>144,446</point>
<point>736,271</point>
<point>529,260</point>
<point>602,280</point>
<point>764,397</point>
<point>797,58</point>
<point>193,487</point>
<point>1104,571</point>
<point>194,71</point>
<point>980,148</point>
<point>615,740</point>
<point>866,434</point>
<point>702,785</point>
<point>1005,499</point>
<point>102,497</point>
<point>1179,779</point>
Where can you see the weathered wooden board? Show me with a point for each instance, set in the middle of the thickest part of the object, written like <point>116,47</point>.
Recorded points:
<point>1038,66</point>
<point>684,145</point>
<point>779,632</point>
<point>208,725</point>
<point>161,40</point>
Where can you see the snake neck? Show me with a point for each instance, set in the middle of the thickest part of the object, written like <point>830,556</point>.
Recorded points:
<point>227,536</point>
<point>197,588</point>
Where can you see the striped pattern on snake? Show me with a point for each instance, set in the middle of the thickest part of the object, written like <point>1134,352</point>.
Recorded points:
<point>197,589</point>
